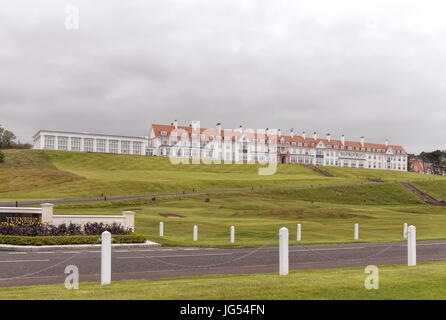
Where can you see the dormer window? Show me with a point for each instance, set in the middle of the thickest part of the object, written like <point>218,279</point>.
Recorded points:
<point>164,133</point>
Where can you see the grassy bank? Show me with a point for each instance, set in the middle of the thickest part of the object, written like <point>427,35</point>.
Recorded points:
<point>38,174</point>
<point>258,216</point>
<point>425,281</point>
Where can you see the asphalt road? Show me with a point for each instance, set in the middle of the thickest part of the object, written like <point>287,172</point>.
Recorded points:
<point>38,202</point>
<point>46,267</point>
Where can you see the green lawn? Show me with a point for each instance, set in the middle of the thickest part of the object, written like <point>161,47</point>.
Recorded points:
<point>38,174</point>
<point>259,215</point>
<point>327,215</point>
<point>424,281</point>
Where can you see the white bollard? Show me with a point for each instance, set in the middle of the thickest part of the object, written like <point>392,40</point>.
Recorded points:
<point>405,230</point>
<point>161,229</point>
<point>195,233</point>
<point>232,234</point>
<point>106,258</point>
<point>411,246</point>
<point>283,252</point>
<point>356,231</point>
<point>299,232</point>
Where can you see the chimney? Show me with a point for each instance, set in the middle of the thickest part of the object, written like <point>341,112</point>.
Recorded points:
<point>279,133</point>
<point>219,129</point>
<point>266,133</point>
<point>343,139</point>
<point>175,123</point>
<point>328,137</point>
<point>292,133</point>
<point>315,135</point>
<point>195,125</point>
<point>387,143</point>
<point>362,141</point>
<point>303,135</point>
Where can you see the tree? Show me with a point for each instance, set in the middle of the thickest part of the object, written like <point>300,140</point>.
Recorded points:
<point>2,157</point>
<point>7,139</point>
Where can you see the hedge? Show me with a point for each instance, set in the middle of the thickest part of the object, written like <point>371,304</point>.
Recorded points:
<point>64,240</point>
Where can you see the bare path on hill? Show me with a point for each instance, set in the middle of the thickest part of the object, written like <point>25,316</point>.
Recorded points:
<point>427,198</point>
<point>47,267</point>
<point>37,202</point>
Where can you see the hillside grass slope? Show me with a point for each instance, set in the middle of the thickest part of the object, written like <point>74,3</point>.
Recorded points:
<point>38,174</point>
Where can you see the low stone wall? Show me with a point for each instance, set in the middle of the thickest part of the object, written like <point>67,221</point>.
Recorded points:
<point>127,220</point>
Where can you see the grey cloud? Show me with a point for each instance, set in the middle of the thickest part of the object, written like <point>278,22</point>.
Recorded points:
<point>359,69</point>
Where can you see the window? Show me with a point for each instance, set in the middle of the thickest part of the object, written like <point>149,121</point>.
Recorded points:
<point>62,143</point>
<point>88,145</point>
<point>100,145</point>
<point>164,133</point>
<point>125,147</point>
<point>113,146</point>
<point>49,142</point>
<point>76,144</point>
<point>137,147</point>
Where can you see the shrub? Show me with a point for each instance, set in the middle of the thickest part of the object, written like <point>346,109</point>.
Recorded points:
<point>2,157</point>
<point>41,229</point>
<point>65,240</point>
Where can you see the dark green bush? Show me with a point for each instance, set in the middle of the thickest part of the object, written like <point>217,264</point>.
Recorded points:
<point>41,229</point>
<point>64,240</point>
<point>2,157</point>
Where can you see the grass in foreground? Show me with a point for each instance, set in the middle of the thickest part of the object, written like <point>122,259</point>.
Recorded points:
<point>425,281</point>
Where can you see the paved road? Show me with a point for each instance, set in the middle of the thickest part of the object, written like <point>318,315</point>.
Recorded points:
<point>37,202</point>
<point>27,268</point>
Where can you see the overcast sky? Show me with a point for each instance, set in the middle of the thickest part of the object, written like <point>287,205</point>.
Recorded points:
<point>372,68</point>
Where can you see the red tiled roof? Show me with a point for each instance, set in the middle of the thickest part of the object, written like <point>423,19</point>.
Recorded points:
<point>157,128</point>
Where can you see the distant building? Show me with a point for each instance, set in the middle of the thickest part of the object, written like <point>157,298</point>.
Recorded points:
<point>242,145</point>
<point>422,167</point>
<point>238,145</point>
<point>89,142</point>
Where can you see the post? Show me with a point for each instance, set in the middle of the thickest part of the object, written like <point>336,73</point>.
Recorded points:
<point>283,252</point>
<point>161,229</point>
<point>195,233</point>
<point>129,220</point>
<point>47,212</point>
<point>232,234</point>
<point>356,231</point>
<point>405,230</point>
<point>411,246</point>
<point>299,232</point>
<point>106,258</point>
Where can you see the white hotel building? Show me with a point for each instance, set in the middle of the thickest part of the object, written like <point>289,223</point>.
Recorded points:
<point>216,144</point>
<point>89,142</point>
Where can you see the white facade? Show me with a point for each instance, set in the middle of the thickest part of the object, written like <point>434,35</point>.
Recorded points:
<point>89,142</point>
<point>247,146</point>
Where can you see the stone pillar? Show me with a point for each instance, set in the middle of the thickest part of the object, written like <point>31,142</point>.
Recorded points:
<point>129,220</point>
<point>47,212</point>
